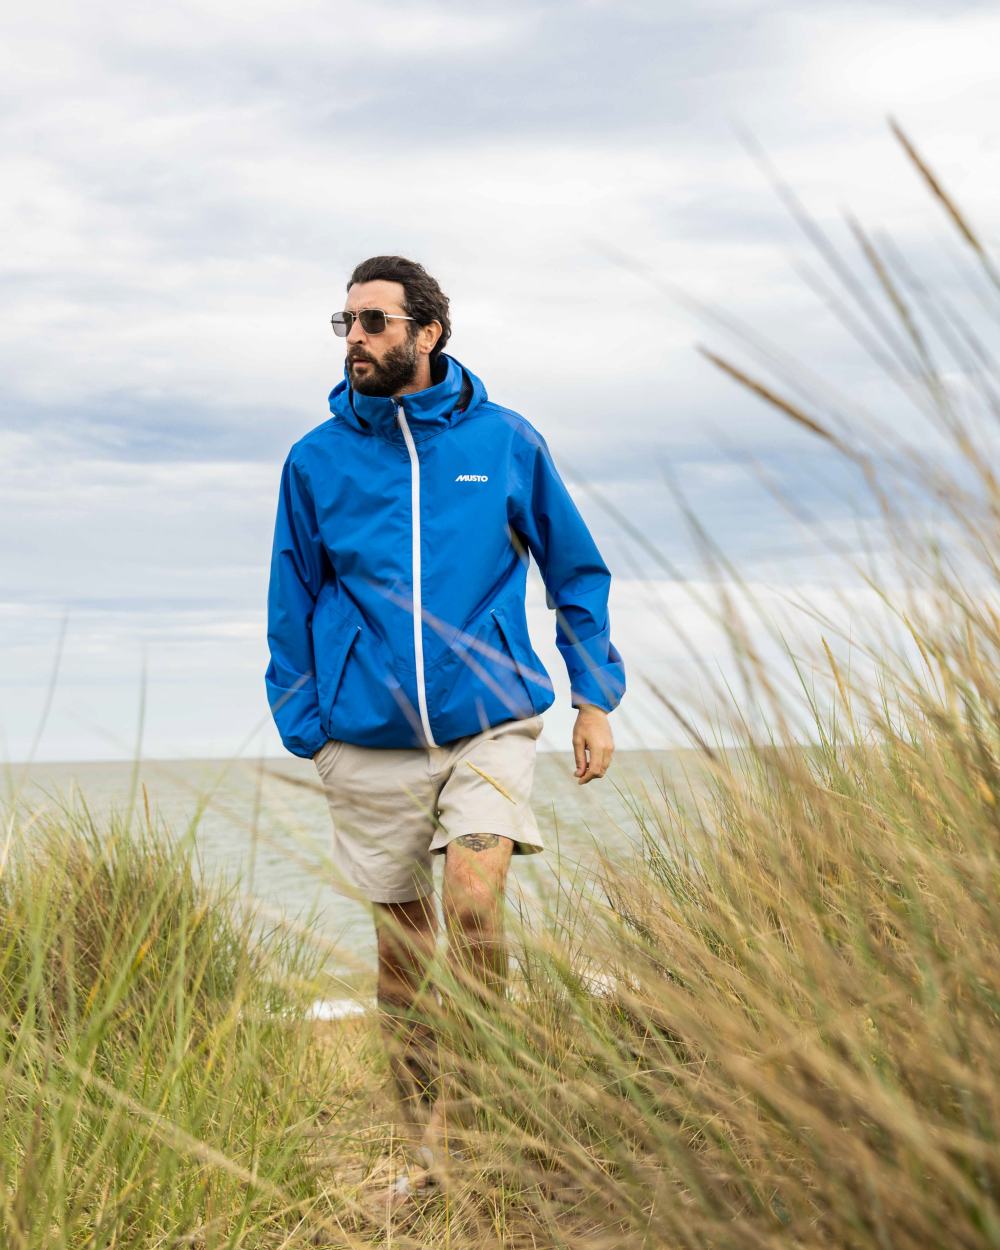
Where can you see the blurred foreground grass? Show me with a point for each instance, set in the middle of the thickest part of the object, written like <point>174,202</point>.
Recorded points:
<point>779,1029</point>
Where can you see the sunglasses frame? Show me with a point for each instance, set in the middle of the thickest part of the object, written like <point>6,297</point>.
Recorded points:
<point>350,317</point>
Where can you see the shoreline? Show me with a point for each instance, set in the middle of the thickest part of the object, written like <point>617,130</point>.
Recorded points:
<point>338,1008</point>
<point>599,984</point>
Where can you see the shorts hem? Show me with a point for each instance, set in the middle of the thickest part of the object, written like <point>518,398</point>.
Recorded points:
<point>405,898</point>
<point>362,894</point>
<point>522,845</point>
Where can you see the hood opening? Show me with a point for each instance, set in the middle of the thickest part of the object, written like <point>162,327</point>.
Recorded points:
<point>455,392</point>
<point>465,395</point>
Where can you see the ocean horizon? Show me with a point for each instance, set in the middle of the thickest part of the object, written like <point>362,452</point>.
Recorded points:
<point>261,826</point>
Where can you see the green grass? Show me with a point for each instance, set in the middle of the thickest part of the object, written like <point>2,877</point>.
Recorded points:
<point>156,1075</point>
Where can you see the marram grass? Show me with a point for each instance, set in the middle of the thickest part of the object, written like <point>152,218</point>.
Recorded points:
<point>800,1039</point>
<point>776,1025</point>
<point>153,1067</point>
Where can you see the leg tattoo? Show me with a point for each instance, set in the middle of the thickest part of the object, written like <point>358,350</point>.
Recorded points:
<point>478,841</point>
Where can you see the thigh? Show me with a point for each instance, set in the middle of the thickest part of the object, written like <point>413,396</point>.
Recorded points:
<point>475,867</point>
<point>382,803</point>
<point>487,789</point>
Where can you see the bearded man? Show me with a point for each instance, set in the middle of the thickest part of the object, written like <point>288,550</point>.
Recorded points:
<point>400,658</point>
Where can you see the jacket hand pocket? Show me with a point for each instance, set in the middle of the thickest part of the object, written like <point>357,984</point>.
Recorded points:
<point>525,672</point>
<point>331,658</point>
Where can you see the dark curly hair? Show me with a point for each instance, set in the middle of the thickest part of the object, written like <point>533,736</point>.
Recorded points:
<point>423,298</point>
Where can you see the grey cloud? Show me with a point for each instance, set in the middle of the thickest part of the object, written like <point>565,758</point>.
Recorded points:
<point>133,428</point>
<point>190,182</point>
<point>436,99</point>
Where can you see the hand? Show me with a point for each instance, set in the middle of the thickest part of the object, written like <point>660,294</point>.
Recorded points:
<point>592,734</point>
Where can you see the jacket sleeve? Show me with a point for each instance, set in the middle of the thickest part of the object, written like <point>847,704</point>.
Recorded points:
<point>296,576</point>
<point>577,580</point>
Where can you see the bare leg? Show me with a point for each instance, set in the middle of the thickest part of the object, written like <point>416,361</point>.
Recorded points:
<point>475,876</point>
<point>407,934</point>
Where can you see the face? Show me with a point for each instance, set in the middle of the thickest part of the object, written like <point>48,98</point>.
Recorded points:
<point>381,364</point>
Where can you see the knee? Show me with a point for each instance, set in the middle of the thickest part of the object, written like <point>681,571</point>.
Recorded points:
<point>473,912</point>
<point>405,935</point>
<point>407,953</point>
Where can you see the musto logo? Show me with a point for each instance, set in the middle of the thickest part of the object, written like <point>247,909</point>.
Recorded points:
<point>472,477</point>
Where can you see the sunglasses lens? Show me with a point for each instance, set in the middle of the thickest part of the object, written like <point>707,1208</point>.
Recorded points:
<point>372,320</point>
<point>341,323</point>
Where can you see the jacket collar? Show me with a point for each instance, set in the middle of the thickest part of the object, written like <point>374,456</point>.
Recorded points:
<point>427,412</point>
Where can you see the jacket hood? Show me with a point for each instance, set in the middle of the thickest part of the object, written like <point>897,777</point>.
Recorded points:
<point>445,403</point>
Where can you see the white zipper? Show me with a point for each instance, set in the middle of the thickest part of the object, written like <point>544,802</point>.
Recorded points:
<point>418,632</point>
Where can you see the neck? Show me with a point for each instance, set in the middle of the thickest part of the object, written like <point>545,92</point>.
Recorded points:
<point>421,379</point>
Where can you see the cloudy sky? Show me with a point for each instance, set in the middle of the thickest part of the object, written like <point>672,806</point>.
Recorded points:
<point>187,186</point>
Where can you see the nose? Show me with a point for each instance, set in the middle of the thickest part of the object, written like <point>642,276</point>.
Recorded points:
<point>356,334</point>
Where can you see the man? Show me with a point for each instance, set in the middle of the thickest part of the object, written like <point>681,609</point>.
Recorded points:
<point>400,656</point>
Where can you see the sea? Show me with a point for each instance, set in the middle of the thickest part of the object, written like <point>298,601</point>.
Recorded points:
<point>261,828</point>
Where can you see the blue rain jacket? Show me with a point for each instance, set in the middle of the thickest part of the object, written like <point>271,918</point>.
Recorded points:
<point>395,611</point>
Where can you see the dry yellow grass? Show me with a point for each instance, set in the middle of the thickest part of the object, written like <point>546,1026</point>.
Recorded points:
<point>794,1031</point>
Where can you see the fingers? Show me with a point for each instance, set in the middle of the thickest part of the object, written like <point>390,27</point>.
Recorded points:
<point>593,744</point>
<point>598,764</point>
<point>579,751</point>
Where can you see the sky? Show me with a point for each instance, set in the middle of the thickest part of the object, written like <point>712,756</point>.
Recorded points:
<point>188,186</point>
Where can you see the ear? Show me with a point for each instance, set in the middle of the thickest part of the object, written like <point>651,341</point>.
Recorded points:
<point>428,335</point>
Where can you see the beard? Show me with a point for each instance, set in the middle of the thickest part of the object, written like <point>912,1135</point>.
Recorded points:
<point>390,374</point>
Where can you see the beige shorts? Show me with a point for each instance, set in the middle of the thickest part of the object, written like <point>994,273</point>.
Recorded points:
<point>395,807</point>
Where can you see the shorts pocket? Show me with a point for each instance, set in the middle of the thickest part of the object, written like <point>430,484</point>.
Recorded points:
<point>327,754</point>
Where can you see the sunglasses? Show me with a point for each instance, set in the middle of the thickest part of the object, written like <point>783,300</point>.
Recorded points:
<point>372,320</point>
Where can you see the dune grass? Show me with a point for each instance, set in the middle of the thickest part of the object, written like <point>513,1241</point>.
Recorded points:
<point>156,1076</point>
<point>776,1024</point>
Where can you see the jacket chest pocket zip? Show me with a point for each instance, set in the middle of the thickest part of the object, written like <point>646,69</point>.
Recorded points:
<point>418,633</point>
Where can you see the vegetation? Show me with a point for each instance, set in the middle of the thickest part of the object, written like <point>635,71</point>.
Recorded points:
<point>778,1028</point>
<point>155,1073</point>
